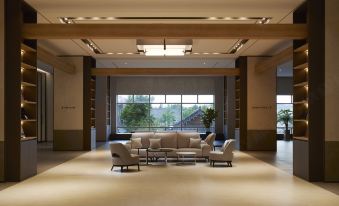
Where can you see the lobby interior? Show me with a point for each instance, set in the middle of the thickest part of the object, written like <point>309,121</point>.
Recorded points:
<point>77,77</point>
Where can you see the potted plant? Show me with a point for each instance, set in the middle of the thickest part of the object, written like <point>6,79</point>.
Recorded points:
<point>208,116</point>
<point>285,117</point>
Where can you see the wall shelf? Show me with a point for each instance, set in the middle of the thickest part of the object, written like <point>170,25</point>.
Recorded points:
<point>302,48</point>
<point>27,48</point>
<point>301,66</point>
<point>301,84</point>
<point>27,84</point>
<point>27,66</point>
<point>301,138</point>
<point>300,91</point>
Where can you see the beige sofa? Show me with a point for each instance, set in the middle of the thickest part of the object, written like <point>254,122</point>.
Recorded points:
<point>178,141</point>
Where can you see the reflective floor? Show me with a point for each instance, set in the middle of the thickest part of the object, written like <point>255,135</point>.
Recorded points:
<point>87,180</point>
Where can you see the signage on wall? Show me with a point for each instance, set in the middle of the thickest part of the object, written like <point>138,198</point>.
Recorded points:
<point>262,107</point>
<point>67,107</point>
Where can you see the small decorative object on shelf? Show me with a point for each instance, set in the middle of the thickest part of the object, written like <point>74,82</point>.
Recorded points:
<point>22,132</point>
<point>23,113</point>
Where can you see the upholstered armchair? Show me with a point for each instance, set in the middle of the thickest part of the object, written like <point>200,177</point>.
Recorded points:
<point>210,140</point>
<point>225,155</point>
<point>121,156</point>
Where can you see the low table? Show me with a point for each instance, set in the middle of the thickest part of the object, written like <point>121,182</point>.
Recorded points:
<point>164,150</point>
<point>183,155</point>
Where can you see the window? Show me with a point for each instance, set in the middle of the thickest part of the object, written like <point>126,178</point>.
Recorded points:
<point>161,112</point>
<point>284,102</point>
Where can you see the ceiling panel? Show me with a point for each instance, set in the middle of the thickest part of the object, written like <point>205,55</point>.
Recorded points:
<point>62,47</point>
<point>265,47</point>
<point>116,45</point>
<point>277,8</point>
<point>165,62</point>
<point>212,45</point>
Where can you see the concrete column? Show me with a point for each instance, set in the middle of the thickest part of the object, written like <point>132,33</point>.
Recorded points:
<point>331,90</point>
<point>219,105</point>
<point>2,87</point>
<point>101,109</point>
<point>113,92</point>
<point>261,108</point>
<point>230,124</point>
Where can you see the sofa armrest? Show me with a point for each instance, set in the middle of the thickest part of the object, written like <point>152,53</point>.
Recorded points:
<point>128,146</point>
<point>205,149</point>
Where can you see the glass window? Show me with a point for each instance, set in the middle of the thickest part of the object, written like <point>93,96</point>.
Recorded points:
<point>165,115</point>
<point>157,98</point>
<point>284,102</point>
<point>173,98</point>
<point>205,98</point>
<point>281,99</point>
<point>161,112</point>
<point>141,98</point>
<point>125,98</point>
<point>189,99</point>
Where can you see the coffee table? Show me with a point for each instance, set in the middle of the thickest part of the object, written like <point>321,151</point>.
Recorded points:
<point>183,155</point>
<point>163,150</point>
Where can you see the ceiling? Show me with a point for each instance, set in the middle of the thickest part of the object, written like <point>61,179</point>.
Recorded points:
<point>280,11</point>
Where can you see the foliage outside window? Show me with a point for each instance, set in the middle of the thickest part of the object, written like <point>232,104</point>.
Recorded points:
<point>284,102</point>
<point>162,112</point>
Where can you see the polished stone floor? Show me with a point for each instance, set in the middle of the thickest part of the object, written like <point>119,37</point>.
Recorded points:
<point>87,180</point>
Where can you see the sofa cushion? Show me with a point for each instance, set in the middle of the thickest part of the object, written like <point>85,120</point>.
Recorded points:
<point>184,138</point>
<point>145,136</point>
<point>155,143</point>
<point>195,143</point>
<point>136,143</point>
<point>168,140</point>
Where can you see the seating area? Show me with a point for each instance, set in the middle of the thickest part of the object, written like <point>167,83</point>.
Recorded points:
<point>175,145</point>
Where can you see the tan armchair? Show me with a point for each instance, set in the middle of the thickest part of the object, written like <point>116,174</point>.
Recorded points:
<point>225,155</point>
<point>210,140</point>
<point>121,156</point>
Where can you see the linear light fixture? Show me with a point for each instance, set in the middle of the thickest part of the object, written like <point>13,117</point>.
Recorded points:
<point>213,18</point>
<point>240,43</point>
<point>89,43</point>
<point>172,47</point>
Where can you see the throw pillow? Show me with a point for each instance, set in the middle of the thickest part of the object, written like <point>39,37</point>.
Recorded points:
<point>195,143</point>
<point>155,143</point>
<point>136,143</point>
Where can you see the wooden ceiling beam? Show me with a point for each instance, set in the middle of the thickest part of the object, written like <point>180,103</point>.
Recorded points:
<point>274,61</point>
<point>55,61</point>
<point>165,71</point>
<point>215,31</point>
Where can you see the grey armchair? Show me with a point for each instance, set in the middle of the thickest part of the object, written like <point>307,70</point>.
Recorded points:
<point>121,156</point>
<point>225,155</point>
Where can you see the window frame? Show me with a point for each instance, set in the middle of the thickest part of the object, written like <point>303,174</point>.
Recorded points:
<point>151,128</point>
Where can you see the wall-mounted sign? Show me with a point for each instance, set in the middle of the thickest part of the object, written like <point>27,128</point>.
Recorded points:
<point>262,107</point>
<point>67,107</point>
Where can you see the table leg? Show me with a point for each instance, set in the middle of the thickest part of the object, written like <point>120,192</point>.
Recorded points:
<point>165,157</point>
<point>146,157</point>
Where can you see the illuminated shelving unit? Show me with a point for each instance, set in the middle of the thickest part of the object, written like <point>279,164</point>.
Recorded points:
<point>237,102</point>
<point>92,90</point>
<point>28,92</point>
<point>301,83</point>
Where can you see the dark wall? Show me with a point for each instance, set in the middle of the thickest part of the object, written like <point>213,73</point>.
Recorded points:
<point>284,85</point>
